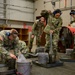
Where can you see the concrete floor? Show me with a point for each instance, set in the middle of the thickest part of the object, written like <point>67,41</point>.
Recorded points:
<point>67,69</point>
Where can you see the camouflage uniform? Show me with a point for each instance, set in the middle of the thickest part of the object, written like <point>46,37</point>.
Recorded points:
<point>73,21</point>
<point>37,31</point>
<point>72,13</point>
<point>8,46</point>
<point>23,48</point>
<point>55,25</point>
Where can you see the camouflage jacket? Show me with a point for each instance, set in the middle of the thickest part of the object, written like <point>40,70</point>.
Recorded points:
<point>37,28</point>
<point>22,46</point>
<point>73,21</point>
<point>53,24</point>
<point>6,44</point>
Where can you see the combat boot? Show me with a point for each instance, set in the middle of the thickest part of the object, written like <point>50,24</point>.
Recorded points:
<point>46,50</point>
<point>29,50</point>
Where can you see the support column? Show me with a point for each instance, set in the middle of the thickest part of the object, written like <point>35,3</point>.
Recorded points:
<point>5,10</point>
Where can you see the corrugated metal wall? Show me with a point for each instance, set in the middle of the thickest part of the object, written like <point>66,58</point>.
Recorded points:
<point>39,5</point>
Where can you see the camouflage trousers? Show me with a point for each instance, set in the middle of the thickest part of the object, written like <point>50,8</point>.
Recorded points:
<point>9,62</point>
<point>38,41</point>
<point>55,38</point>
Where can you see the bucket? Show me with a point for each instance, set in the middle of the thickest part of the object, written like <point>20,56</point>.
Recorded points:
<point>69,51</point>
<point>3,69</point>
<point>43,58</point>
<point>39,50</point>
<point>24,68</point>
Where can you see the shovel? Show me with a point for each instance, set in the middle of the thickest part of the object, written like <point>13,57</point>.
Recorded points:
<point>51,53</point>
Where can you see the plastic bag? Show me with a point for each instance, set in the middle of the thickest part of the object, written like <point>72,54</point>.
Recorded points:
<point>21,58</point>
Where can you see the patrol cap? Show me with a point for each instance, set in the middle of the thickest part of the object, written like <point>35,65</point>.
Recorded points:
<point>44,13</point>
<point>72,12</point>
<point>14,32</point>
<point>57,11</point>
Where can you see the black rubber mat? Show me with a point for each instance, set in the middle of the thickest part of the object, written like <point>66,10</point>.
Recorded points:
<point>31,55</point>
<point>67,60</point>
<point>56,64</point>
<point>9,72</point>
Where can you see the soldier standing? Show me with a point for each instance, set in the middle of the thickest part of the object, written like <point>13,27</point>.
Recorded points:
<point>72,23</point>
<point>9,47</point>
<point>72,13</point>
<point>37,31</point>
<point>53,26</point>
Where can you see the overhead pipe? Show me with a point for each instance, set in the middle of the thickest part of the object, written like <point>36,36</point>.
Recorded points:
<point>21,10</point>
<point>51,1</point>
<point>17,6</point>
<point>30,0</point>
<point>17,10</point>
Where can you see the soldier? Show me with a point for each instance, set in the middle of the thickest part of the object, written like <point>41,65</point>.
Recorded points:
<point>9,46</point>
<point>53,26</point>
<point>37,31</point>
<point>72,24</point>
<point>72,13</point>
